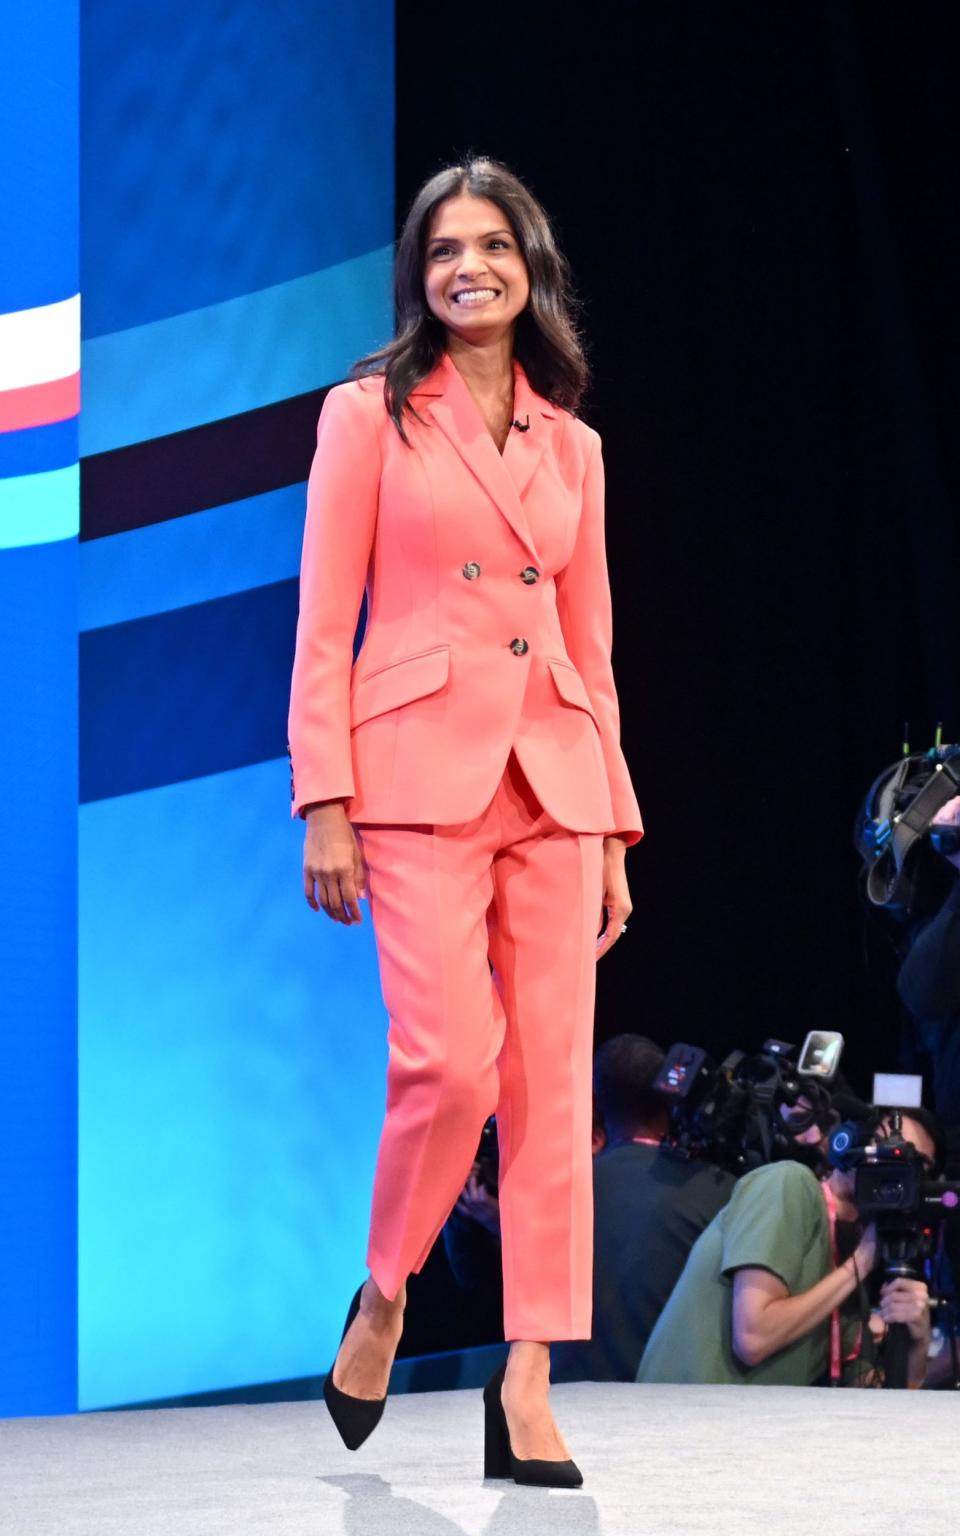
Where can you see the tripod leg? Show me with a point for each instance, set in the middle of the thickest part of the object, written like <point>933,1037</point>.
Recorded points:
<point>896,1355</point>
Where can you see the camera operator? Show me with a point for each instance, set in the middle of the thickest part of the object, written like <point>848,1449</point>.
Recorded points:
<point>929,984</point>
<point>650,1205</point>
<point>759,1301</point>
<point>907,832</point>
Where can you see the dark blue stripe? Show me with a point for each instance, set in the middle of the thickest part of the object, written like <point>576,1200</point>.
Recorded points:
<point>194,691</point>
<point>32,450</point>
<point>185,693</point>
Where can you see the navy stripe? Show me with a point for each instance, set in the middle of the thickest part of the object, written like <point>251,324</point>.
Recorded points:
<point>208,466</point>
<point>186,693</point>
<point>182,694</point>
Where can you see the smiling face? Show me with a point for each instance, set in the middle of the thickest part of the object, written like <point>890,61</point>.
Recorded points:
<point>474,276</point>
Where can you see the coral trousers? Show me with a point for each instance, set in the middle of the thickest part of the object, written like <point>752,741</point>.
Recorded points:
<point>514,890</point>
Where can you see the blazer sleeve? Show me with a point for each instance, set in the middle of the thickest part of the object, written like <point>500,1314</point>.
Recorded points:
<point>342,497</point>
<point>586,618</point>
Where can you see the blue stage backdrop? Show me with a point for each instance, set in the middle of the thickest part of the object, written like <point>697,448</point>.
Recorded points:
<point>236,256</point>
<point>39,399</point>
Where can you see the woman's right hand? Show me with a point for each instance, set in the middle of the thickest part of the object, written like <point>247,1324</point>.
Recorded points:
<point>333,874</point>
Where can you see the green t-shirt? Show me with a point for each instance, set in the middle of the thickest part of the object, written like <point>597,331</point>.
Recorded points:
<point>776,1219</point>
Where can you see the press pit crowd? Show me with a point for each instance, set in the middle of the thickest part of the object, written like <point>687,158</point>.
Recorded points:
<point>766,1278</point>
<point>700,1276</point>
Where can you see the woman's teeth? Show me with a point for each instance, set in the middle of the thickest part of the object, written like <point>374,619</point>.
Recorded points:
<point>475,296</point>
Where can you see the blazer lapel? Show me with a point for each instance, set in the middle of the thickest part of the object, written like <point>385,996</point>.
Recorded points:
<point>504,477</point>
<point>524,450</point>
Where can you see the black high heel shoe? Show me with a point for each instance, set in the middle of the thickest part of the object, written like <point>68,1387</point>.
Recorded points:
<point>498,1457</point>
<point>355,1417</point>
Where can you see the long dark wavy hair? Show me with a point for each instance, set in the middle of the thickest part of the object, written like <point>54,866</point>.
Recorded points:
<point>546,339</point>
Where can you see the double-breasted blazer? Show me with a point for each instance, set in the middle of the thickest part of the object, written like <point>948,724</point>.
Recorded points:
<point>488,614</point>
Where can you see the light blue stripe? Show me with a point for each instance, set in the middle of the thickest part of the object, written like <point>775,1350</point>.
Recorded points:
<point>233,357</point>
<point>191,559</point>
<point>39,509</point>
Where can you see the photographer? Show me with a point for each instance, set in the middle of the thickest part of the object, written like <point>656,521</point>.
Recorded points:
<point>757,1300</point>
<point>650,1206</point>
<point>907,832</point>
<point>929,984</point>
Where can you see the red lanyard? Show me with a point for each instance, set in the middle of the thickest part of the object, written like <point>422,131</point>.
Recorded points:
<point>837,1359</point>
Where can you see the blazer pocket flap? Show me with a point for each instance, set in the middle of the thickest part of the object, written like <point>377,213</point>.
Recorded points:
<point>399,682</point>
<point>570,685</point>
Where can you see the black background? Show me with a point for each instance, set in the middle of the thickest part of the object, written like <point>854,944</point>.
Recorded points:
<point>758,203</point>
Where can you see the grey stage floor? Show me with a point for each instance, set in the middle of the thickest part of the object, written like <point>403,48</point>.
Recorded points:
<point>657,1461</point>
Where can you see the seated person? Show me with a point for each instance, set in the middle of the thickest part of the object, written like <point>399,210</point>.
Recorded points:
<point>754,1302</point>
<point>650,1206</point>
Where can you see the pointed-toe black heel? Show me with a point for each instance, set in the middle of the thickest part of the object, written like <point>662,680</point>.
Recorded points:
<point>498,1457</point>
<point>355,1417</point>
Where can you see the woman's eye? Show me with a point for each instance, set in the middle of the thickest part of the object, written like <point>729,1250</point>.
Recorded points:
<point>499,242</point>
<point>440,250</point>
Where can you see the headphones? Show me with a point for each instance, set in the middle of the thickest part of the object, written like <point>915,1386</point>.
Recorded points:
<point>848,1139</point>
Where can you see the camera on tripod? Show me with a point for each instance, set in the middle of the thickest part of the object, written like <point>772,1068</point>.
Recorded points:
<point>892,1186</point>
<point>894,1189</point>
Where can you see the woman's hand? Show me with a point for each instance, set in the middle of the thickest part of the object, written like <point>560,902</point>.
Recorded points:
<point>616,894</point>
<point>333,874</point>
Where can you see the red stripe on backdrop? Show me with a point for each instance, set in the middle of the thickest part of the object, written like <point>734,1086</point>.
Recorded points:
<point>36,405</point>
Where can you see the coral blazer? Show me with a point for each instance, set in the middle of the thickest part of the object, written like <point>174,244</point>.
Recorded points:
<point>488,614</point>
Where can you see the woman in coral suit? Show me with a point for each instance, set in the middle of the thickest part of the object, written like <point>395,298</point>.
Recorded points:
<point>465,773</point>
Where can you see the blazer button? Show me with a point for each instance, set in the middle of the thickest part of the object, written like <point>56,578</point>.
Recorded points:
<point>519,647</point>
<point>529,574</point>
<point>471,570</point>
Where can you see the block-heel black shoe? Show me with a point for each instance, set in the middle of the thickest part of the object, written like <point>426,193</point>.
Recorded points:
<point>498,1457</point>
<point>355,1417</point>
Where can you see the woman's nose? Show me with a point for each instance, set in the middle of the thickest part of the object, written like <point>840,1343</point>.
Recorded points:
<point>471,262</point>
